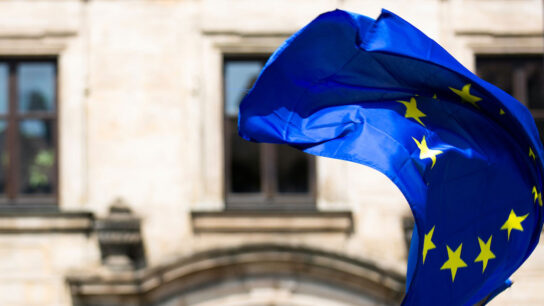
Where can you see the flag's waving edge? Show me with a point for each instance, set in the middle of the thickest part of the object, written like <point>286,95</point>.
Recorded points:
<point>466,155</point>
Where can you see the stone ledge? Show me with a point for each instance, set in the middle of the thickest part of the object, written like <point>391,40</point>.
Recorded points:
<point>272,222</point>
<point>15,221</point>
<point>31,33</point>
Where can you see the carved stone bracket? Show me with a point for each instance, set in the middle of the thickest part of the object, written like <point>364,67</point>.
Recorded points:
<point>120,238</point>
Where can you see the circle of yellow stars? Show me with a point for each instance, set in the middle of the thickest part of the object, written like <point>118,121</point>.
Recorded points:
<point>455,262</point>
<point>513,222</point>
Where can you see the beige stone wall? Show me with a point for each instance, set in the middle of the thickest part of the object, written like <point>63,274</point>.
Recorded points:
<point>528,280</point>
<point>141,119</point>
<point>33,266</point>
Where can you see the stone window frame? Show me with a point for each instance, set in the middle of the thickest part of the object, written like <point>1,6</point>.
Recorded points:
<point>67,46</point>
<point>492,44</point>
<point>211,215</point>
<point>521,68</point>
<point>218,45</point>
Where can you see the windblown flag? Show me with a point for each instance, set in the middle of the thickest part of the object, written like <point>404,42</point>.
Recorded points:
<point>466,155</point>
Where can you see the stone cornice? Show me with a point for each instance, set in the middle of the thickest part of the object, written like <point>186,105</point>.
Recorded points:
<point>191,273</point>
<point>272,222</point>
<point>43,220</point>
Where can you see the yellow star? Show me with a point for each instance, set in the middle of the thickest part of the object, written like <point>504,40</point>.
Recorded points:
<point>425,152</point>
<point>454,261</point>
<point>428,243</point>
<point>501,111</point>
<point>435,96</point>
<point>538,196</point>
<point>465,94</point>
<point>485,252</point>
<point>513,222</point>
<point>531,153</point>
<point>412,111</point>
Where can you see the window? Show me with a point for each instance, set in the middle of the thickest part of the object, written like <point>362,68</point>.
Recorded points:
<point>260,176</point>
<point>28,131</point>
<point>521,76</point>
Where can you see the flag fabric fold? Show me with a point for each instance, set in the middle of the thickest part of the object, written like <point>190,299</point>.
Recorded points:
<point>466,155</point>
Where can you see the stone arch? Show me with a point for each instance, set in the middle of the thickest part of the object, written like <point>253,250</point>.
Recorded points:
<point>247,275</point>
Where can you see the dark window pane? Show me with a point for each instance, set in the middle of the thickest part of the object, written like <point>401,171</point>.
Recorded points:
<point>239,78</point>
<point>540,126</point>
<point>3,156</point>
<point>293,169</point>
<point>244,163</point>
<point>519,75</point>
<point>535,85</point>
<point>36,86</point>
<point>273,171</point>
<point>37,157</point>
<point>4,88</point>
<point>497,71</point>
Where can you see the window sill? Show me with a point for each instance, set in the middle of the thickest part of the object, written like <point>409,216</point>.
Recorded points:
<point>258,202</point>
<point>32,219</point>
<point>272,222</point>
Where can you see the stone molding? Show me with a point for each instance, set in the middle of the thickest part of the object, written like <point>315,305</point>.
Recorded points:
<point>203,270</point>
<point>27,42</point>
<point>30,33</point>
<point>272,222</point>
<point>21,220</point>
<point>503,43</point>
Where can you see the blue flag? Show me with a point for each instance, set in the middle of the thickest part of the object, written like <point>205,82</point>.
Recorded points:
<point>465,154</point>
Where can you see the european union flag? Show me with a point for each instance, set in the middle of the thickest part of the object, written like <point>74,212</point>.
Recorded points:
<point>466,155</point>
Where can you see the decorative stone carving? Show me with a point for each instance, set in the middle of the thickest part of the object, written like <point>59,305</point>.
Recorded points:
<point>120,238</point>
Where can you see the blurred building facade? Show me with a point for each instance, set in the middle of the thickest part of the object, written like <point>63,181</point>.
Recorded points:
<point>123,181</point>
